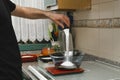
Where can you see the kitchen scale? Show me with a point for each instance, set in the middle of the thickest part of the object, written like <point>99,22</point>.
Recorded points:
<point>55,71</point>
<point>71,60</point>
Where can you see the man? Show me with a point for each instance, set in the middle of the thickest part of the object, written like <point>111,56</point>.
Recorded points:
<point>10,61</point>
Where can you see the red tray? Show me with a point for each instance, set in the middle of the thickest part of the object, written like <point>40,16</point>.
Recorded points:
<point>55,71</point>
<point>28,58</point>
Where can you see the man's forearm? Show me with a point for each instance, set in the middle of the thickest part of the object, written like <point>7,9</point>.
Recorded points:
<point>30,13</point>
<point>33,13</point>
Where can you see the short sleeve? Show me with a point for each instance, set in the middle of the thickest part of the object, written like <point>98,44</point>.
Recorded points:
<point>12,6</point>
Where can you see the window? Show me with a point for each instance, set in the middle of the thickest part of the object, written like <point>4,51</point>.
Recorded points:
<point>31,34</point>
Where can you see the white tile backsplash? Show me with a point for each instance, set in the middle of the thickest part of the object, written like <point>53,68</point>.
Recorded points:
<point>100,9</point>
<point>106,10</point>
<point>102,42</point>
<point>116,44</point>
<point>87,39</point>
<point>117,8</point>
<point>92,38</point>
<point>105,1</point>
<point>106,42</point>
<point>94,12</point>
<point>80,37</point>
<point>94,2</point>
<point>79,15</point>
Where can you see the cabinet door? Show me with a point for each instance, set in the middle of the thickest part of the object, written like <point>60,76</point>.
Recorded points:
<point>68,4</point>
<point>74,4</point>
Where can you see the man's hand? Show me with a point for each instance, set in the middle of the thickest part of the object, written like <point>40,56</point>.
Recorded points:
<point>59,19</point>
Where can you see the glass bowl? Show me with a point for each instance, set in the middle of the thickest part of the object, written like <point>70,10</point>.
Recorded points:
<point>76,58</point>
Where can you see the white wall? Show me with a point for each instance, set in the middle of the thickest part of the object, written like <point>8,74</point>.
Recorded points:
<point>102,42</point>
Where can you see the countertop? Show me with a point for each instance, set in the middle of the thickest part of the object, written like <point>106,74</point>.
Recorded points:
<point>94,70</point>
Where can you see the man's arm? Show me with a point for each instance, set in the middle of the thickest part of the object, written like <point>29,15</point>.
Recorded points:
<point>33,13</point>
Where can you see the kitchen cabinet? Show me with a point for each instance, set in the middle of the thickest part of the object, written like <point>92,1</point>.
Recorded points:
<point>67,4</point>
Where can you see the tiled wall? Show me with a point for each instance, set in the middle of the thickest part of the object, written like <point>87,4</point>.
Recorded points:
<point>97,31</point>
